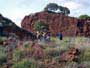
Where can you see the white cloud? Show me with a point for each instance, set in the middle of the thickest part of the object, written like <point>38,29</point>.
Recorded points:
<point>73,5</point>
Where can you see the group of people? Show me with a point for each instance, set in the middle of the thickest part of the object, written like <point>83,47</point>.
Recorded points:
<point>46,36</point>
<point>43,36</point>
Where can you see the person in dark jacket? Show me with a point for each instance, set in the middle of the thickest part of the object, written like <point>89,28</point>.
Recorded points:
<point>60,36</point>
<point>80,26</point>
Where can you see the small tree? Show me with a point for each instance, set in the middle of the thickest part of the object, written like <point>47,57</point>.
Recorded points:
<point>51,7</point>
<point>61,9</point>
<point>40,26</point>
<point>66,11</point>
<point>84,17</point>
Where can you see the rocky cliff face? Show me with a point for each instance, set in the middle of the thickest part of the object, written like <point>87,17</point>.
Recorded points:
<point>57,23</point>
<point>8,28</point>
<point>83,28</point>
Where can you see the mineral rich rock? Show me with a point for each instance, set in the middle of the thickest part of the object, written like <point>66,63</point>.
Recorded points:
<point>57,23</point>
<point>71,55</point>
<point>38,51</point>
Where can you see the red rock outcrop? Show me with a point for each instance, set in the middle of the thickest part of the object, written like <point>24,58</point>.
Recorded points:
<point>84,29</point>
<point>57,23</point>
<point>71,55</point>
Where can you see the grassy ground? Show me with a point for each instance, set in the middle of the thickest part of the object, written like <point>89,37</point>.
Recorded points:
<point>52,52</point>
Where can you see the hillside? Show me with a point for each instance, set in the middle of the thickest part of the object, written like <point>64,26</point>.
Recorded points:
<point>8,28</point>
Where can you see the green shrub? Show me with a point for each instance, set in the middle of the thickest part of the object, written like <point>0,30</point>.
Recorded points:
<point>17,54</point>
<point>27,45</point>
<point>40,26</point>
<point>2,39</point>
<point>85,56</point>
<point>3,55</point>
<point>25,63</point>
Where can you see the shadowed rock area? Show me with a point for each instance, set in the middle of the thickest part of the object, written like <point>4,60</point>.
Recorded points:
<point>9,28</point>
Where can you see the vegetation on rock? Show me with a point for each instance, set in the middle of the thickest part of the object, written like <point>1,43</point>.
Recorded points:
<point>84,17</point>
<point>3,55</point>
<point>53,7</point>
<point>41,26</point>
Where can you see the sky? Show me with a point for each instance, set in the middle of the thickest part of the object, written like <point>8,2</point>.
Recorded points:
<point>16,10</point>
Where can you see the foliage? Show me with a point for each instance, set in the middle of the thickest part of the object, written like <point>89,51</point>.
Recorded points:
<point>3,55</point>
<point>61,9</point>
<point>85,56</point>
<point>25,63</point>
<point>52,52</point>
<point>17,54</point>
<point>84,17</point>
<point>40,26</point>
<point>2,39</point>
<point>53,7</point>
<point>66,11</point>
<point>26,45</point>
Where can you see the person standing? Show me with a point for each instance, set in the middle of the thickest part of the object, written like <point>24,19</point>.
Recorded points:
<point>48,36</point>
<point>60,36</point>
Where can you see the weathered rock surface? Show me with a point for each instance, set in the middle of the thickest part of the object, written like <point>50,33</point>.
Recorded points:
<point>57,23</point>
<point>8,28</point>
<point>72,54</point>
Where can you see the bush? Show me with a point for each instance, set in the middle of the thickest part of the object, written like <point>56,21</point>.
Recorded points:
<point>40,26</point>
<point>2,39</point>
<point>25,63</point>
<point>85,56</point>
<point>3,55</point>
<point>17,55</point>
